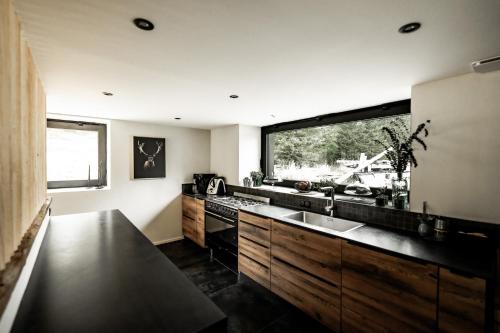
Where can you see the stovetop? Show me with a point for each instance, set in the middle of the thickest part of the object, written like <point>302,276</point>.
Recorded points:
<point>234,201</point>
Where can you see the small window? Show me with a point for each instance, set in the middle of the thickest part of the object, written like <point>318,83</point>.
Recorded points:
<point>76,154</point>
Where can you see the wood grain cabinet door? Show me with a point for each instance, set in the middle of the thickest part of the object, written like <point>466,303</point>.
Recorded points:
<point>461,302</point>
<point>384,293</point>
<point>254,248</point>
<point>317,298</point>
<point>189,207</point>
<point>200,222</point>
<point>314,253</point>
<point>189,228</point>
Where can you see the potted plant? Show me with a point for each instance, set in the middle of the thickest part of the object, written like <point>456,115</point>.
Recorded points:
<point>399,151</point>
<point>257,177</point>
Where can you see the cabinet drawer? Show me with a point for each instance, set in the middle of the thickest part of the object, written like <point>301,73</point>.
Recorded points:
<point>395,294</point>
<point>309,251</point>
<point>255,251</point>
<point>317,298</point>
<point>461,302</point>
<point>189,228</point>
<point>257,272</point>
<point>188,207</point>
<point>258,221</point>
<point>254,233</point>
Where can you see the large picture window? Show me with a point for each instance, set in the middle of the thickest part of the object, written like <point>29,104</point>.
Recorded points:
<point>76,154</point>
<point>340,149</point>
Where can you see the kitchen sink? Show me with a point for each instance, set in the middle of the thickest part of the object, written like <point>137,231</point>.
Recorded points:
<point>323,221</point>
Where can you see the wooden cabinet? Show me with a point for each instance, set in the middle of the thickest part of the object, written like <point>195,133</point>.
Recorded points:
<point>319,255</point>
<point>461,302</point>
<point>254,235</point>
<point>382,292</point>
<point>188,207</point>
<point>354,288</point>
<point>306,271</point>
<point>200,222</point>
<point>317,298</point>
<point>193,219</point>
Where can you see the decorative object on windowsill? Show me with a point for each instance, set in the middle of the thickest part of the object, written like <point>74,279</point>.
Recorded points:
<point>247,182</point>
<point>399,151</point>
<point>271,180</point>
<point>441,229</point>
<point>257,177</point>
<point>303,186</point>
<point>88,179</point>
<point>358,188</point>
<point>101,175</point>
<point>382,199</point>
<point>424,228</point>
<point>149,157</point>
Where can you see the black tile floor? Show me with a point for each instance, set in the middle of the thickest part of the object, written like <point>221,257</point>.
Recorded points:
<point>248,306</point>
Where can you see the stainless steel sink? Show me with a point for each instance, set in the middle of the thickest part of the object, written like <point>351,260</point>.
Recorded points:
<point>323,221</point>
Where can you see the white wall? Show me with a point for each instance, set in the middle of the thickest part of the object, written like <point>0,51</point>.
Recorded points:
<point>249,151</point>
<point>224,152</point>
<point>154,206</point>
<point>459,174</point>
<point>235,152</point>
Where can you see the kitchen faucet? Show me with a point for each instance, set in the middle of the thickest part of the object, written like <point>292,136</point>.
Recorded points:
<point>331,209</point>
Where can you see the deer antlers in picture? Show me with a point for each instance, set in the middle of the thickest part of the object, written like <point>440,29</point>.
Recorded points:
<point>150,162</point>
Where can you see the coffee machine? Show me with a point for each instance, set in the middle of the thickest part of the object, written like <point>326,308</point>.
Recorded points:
<point>201,181</point>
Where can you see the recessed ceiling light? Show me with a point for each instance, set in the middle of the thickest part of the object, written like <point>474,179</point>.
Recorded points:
<point>177,118</point>
<point>143,24</point>
<point>409,27</point>
<point>107,93</point>
<point>233,96</point>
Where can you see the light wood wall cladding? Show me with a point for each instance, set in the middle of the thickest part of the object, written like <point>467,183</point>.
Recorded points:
<point>497,295</point>
<point>22,135</point>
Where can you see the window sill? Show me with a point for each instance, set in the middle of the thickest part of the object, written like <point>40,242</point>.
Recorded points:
<point>319,195</point>
<point>77,189</point>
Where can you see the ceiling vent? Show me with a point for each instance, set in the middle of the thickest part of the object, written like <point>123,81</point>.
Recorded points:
<point>486,65</point>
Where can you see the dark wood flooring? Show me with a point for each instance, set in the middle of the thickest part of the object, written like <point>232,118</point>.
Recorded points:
<point>249,307</point>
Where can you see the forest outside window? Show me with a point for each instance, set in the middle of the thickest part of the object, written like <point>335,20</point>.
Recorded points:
<point>76,154</point>
<point>342,153</point>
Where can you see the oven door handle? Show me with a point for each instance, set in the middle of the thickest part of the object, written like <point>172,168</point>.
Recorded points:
<point>220,217</point>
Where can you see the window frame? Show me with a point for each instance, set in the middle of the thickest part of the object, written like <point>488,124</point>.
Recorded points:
<point>384,110</point>
<point>101,130</point>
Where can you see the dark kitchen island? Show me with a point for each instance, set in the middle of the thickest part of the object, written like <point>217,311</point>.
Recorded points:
<point>96,272</point>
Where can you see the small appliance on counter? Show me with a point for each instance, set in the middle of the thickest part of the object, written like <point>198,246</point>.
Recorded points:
<point>201,181</point>
<point>216,186</point>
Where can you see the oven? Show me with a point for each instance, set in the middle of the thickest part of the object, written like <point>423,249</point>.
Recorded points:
<point>221,233</point>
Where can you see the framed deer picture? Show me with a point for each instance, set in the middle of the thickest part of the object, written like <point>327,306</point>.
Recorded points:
<point>149,157</point>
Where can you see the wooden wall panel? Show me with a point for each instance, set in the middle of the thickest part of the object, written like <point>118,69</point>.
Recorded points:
<point>497,295</point>
<point>22,135</point>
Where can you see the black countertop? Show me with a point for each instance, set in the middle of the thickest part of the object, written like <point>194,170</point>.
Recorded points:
<point>463,254</point>
<point>96,272</point>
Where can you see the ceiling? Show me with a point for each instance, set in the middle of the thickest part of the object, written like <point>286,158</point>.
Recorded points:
<point>288,58</point>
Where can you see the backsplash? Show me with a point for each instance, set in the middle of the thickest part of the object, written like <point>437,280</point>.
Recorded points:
<point>381,216</point>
